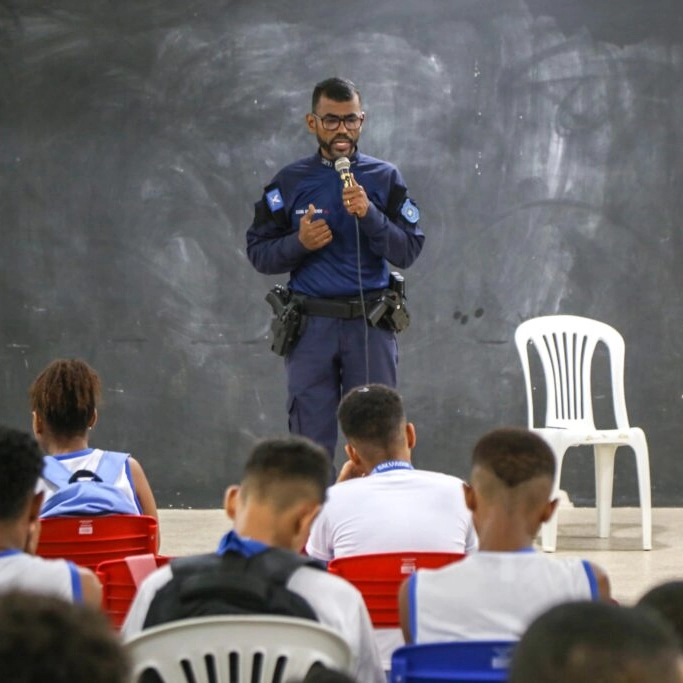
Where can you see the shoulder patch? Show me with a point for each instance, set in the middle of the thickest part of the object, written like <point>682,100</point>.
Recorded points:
<point>409,211</point>
<point>274,199</point>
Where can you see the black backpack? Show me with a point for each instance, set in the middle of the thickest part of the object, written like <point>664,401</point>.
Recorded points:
<point>208,585</point>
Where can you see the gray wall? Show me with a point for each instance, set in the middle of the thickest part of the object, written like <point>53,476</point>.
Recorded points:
<point>541,140</point>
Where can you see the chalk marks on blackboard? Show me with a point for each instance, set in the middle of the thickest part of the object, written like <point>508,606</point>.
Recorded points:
<point>464,318</point>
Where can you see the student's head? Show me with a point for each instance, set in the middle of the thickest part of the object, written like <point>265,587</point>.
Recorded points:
<point>43,638</point>
<point>597,641</point>
<point>21,464</point>
<point>64,400</point>
<point>667,600</point>
<point>374,424</point>
<point>512,468</point>
<point>282,490</point>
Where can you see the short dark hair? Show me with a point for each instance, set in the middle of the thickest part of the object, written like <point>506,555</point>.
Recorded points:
<point>21,464</point>
<point>372,414</point>
<point>336,89</point>
<point>514,455</point>
<point>277,468</point>
<point>65,394</point>
<point>667,600</point>
<point>595,641</point>
<point>44,638</point>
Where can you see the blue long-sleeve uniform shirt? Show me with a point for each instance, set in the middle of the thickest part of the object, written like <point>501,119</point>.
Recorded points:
<point>389,233</point>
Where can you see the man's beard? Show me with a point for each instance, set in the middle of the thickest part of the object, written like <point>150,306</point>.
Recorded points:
<point>327,146</point>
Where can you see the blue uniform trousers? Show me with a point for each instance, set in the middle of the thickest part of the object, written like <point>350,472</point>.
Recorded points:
<point>327,362</point>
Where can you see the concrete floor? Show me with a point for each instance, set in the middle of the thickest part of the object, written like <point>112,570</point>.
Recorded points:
<point>631,570</point>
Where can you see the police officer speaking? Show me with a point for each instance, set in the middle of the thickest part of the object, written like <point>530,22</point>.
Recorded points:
<point>334,221</point>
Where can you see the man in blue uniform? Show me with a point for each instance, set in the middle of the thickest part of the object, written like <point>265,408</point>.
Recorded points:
<point>336,239</point>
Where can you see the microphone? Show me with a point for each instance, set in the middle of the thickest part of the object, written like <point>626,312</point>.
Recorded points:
<point>343,167</point>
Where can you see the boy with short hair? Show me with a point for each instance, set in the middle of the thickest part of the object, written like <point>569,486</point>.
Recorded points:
<point>495,593</point>
<point>44,638</point>
<point>583,641</point>
<point>20,466</point>
<point>282,491</point>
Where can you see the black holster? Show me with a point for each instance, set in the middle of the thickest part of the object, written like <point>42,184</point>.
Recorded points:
<point>288,321</point>
<point>390,310</point>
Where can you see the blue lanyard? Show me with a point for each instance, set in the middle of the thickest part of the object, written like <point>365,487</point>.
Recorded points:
<point>244,546</point>
<point>389,465</point>
<point>10,551</point>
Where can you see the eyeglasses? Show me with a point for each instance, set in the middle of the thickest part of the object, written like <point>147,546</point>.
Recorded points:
<point>332,122</point>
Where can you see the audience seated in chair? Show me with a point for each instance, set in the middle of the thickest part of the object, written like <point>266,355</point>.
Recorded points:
<point>64,400</point>
<point>45,639</point>
<point>495,593</point>
<point>381,504</point>
<point>586,641</point>
<point>20,467</point>
<point>282,491</point>
<point>667,600</point>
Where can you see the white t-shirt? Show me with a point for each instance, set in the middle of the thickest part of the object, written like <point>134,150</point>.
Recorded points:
<point>336,603</point>
<point>395,510</point>
<point>21,571</point>
<point>89,459</point>
<point>493,596</point>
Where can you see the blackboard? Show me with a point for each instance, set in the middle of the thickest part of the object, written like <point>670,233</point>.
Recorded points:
<point>541,139</point>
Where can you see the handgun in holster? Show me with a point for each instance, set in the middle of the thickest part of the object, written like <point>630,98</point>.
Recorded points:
<point>288,321</point>
<point>390,310</point>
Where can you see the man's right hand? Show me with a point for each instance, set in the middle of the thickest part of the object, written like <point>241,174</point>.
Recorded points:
<point>314,233</point>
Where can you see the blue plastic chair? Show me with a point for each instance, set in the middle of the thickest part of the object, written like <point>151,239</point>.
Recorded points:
<point>455,662</point>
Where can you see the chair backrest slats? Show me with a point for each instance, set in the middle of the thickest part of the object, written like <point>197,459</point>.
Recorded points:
<point>565,345</point>
<point>236,649</point>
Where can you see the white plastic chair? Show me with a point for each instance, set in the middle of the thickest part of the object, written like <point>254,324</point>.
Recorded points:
<point>565,345</point>
<point>236,649</point>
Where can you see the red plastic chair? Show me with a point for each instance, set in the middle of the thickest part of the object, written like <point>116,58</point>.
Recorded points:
<point>120,580</point>
<point>378,578</point>
<point>87,541</point>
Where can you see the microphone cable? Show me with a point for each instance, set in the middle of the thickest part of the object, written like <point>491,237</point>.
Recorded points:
<point>343,167</point>
<point>366,345</point>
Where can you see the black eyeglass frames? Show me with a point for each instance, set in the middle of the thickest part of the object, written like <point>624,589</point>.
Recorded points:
<point>332,122</point>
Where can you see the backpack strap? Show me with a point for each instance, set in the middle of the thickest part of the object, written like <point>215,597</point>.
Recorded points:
<point>84,474</point>
<point>227,576</point>
<point>280,564</point>
<point>168,604</point>
<point>276,563</point>
<point>231,584</point>
<point>55,472</point>
<point>110,466</point>
<point>247,583</point>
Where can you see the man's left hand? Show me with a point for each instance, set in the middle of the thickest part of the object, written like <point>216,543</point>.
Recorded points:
<point>355,200</point>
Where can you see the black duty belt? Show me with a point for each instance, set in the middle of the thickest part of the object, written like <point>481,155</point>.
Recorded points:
<point>346,308</point>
